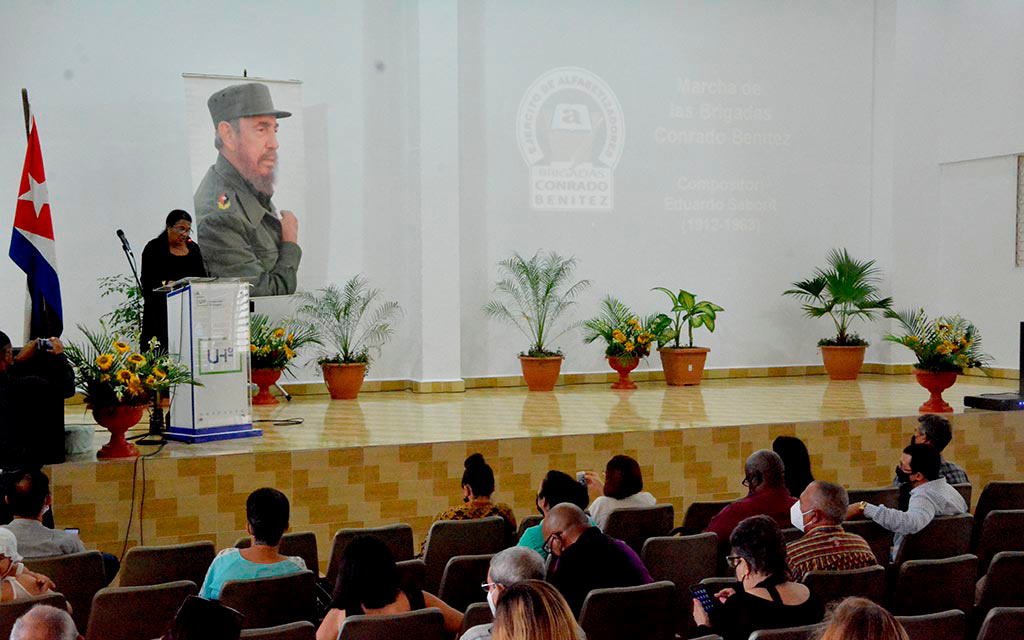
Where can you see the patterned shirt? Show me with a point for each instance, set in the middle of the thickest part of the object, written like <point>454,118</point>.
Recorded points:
<point>827,548</point>
<point>471,511</point>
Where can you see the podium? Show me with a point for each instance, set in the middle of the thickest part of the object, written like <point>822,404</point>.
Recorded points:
<point>208,332</point>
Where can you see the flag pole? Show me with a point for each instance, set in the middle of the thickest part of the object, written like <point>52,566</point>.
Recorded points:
<point>28,292</point>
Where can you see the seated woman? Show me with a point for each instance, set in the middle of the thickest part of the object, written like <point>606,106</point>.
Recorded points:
<point>368,585</point>
<point>860,618</point>
<point>622,487</point>
<point>477,487</point>
<point>17,582</point>
<point>533,610</point>
<point>267,512</point>
<point>555,488</point>
<point>767,599</point>
<point>797,461</point>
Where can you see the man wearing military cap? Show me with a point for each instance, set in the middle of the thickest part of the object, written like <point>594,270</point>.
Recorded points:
<point>241,232</point>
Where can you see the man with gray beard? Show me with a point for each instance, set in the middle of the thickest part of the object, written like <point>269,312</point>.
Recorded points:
<point>241,232</point>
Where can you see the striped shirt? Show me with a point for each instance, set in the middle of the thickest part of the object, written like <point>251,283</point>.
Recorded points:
<point>827,548</point>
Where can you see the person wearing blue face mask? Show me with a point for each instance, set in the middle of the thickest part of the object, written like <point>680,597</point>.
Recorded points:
<point>825,546</point>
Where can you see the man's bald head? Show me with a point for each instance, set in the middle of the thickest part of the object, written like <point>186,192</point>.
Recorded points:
<point>563,525</point>
<point>765,469</point>
<point>830,500</point>
<point>44,622</point>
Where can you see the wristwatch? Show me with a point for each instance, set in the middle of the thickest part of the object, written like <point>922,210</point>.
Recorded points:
<point>863,506</point>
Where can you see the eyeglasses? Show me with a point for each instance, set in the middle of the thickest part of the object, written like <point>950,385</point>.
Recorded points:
<point>546,548</point>
<point>733,561</point>
<point>182,231</point>
<point>487,586</point>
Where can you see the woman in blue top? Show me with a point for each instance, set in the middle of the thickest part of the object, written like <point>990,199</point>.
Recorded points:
<point>267,513</point>
<point>555,488</point>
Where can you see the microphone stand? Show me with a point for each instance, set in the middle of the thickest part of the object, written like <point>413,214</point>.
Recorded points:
<point>156,414</point>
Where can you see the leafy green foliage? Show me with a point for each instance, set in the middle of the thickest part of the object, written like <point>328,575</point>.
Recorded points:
<point>949,343</point>
<point>533,295</point>
<point>344,321</point>
<point>628,338</point>
<point>686,310</point>
<point>126,318</point>
<point>844,290</point>
<point>273,347</point>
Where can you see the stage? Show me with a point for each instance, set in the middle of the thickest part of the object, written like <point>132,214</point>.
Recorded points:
<point>397,456</point>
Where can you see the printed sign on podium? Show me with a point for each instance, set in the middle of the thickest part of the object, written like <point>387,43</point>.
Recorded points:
<point>208,331</point>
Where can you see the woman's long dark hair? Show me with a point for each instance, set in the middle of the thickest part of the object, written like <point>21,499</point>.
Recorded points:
<point>797,462</point>
<point>174,217</point>
<point>368,577</point>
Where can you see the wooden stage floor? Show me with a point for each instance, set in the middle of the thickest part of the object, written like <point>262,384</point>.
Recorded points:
<point>397,457</point>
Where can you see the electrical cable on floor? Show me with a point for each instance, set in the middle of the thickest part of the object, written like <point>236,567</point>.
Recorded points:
<point>131,512</point>
<point>282,422</point>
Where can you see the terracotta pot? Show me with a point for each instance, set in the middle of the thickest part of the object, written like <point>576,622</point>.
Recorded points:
<point>623,367</point>
<point>684,365</point>
<point>843,363</point>
<point>344,380</point>
<point>936,383</point>
<point>118,419</point>
<point>541,374</point>
<point>264,379</point>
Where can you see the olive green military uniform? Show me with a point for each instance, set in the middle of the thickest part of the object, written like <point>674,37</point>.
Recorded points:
<point>241,236</point>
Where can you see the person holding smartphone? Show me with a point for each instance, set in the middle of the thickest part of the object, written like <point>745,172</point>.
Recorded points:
<point>766,598</point>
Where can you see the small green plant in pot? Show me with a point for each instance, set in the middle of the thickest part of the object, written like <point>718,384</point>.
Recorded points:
<point>845,290</point>
<point>351,324</point>
<point>534,295</point>
<point>628,337</point>
<point>684,364</point>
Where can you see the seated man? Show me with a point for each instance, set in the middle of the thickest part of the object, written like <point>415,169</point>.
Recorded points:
<point>43,622</point>
<point>556,487</point>
<point>508,567</point>
<point>29,499</point>
<point>33,386</point>
<point>586,558</point>
<point>267,512</point>
<point>825,546</point>
<point>938,432</point>
<point>930,496</point>
<point>767,495</point>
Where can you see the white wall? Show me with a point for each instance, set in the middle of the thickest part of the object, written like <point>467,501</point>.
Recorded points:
<point>886,105</point>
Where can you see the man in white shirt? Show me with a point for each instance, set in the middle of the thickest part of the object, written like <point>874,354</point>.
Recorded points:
<point>930,496</point>
<point>29,499</point>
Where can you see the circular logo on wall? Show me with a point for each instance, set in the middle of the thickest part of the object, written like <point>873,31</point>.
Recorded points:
<point>570,131</point>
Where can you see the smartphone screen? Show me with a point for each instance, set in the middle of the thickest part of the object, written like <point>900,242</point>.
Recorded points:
<point>700,592</point>
<point>74,531</point>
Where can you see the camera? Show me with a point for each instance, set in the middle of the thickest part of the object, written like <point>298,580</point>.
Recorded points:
<point>44,344</point>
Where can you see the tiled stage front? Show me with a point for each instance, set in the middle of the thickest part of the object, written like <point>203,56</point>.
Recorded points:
<point>397,456</point>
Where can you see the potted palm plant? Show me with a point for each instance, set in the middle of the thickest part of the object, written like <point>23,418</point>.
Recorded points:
<point>272,349</point>
<point>628,337</point>
<point>533,295</point>
<point>350,324</point>
<point>684,365</point>
<point>844,290</point>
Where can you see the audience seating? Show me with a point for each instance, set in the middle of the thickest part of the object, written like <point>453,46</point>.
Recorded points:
<point>12,610</point>
<point>1001,585</point>
<point>713,636</point>
<point>460,583</point>
<point>1002,623</point>
<point>425,624</point>
<point>931,586</point>
<point>1003,530</point>
<point>884,496</point>
<point>877,537</point>
<point>449,538</point>
<point>398,537</point>
<point>268,602</point>
<point>298,543</point>
<point>412,573</point>
<point>698,516</point>
<point>944,537</point>
<point>634,525</point>
<point>946,625</point>
<point>789,534</point>
<point>996,495</point>
<point>79,576</point>
<point>155,565</point>
<point>809,632</point>
<point>303,630</point>
<point>647,611</point>
<point>683,561</point>
<point>829,586</point>
<point>966,491</point>
<point>136,613</point>
<point>531,520</point>
<point>715,584</point>
<point>476,613</point>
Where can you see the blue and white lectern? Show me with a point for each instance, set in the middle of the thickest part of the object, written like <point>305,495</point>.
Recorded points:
<point>208,331</point>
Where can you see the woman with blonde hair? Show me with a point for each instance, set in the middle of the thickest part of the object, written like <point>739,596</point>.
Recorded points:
<point>856,618</point>
<point>533,610</point>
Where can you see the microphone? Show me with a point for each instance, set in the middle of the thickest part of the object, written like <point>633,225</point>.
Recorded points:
<point>124,241</point>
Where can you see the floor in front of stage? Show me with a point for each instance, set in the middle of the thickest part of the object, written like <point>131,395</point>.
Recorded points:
<point>402,417</point>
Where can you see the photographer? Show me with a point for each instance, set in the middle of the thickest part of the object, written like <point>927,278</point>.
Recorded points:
<point>33,386</point>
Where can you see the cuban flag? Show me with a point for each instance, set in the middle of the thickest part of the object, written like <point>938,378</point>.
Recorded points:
<point>33,247</point>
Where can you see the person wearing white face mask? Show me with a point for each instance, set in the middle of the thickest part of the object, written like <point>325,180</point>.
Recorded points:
<point>511,566</point>
<point>825,546</point>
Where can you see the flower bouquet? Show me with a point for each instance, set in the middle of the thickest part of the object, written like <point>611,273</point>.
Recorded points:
<point>628,338</point>
<point>272,349</point>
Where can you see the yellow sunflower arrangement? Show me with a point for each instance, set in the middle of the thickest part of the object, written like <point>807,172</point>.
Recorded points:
<point>950,343</point>
<point>628,337</point>
<point>275,347</point>
<point>109,373</point>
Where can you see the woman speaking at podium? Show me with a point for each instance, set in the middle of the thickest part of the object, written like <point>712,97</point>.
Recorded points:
<point>168,257</point>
